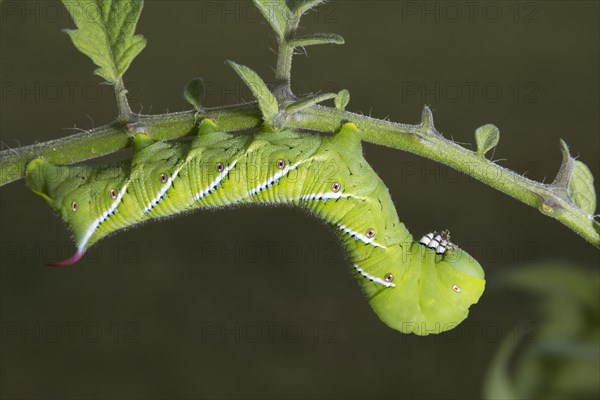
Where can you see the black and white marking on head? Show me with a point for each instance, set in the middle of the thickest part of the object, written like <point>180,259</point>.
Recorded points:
<point>438,241</point>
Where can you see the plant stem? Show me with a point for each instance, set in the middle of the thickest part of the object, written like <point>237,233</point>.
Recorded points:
<point>124,110</point>
<point>421,139</point>
<point>425,141</point>
<point>116,136</point>
<point>283,70</point>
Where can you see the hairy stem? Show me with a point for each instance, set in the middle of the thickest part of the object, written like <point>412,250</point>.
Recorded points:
<point>283,70</point>
<point>124,110</point>
<point>421,139</point>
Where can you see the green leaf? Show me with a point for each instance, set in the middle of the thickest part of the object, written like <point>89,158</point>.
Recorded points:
<point>581,188</point>
<point>266,100</point>
<point>194,92</point>
<point>300,7</point>
<point>277,13</point>
<point>497,382</point>
<point>308,102</point>
<point>342,99</point>
<point>577,179</point>
<point>559,357</point>
<point>106,33</point>
<point>486,137</point>
<point>561,280</point>
<point>316,39</point>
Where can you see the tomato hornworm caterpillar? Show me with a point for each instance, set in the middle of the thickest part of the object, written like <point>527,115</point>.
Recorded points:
<point>415,287</point>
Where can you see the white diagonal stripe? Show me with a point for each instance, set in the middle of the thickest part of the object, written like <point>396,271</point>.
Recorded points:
<point>101,219</point>
<point>163,190</point>
<point>360,236</point>
<point>326,196</point>
<point>274,178</point>
<point>373,278</point>
<point>214,184</point>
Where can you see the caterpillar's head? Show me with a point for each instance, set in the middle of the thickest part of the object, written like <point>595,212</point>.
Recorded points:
<point>79,195</point>
<point>428,288</point>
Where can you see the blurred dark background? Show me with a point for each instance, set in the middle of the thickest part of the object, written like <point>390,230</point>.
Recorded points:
<point>259,302</point>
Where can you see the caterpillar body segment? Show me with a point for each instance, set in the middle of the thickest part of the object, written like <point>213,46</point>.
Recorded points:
<point>413,287</point>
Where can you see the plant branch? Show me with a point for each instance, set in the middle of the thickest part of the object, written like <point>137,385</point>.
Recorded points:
<point>285,54</point>
<point>421,139</point>
<point>124,110</point>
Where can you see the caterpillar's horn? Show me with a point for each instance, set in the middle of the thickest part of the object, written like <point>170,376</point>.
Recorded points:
<point>76,257</point>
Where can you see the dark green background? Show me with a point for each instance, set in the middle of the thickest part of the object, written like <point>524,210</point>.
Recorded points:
<point>161,285</point>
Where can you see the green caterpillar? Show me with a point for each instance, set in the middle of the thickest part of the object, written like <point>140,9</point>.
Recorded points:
<point>414,287</point>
